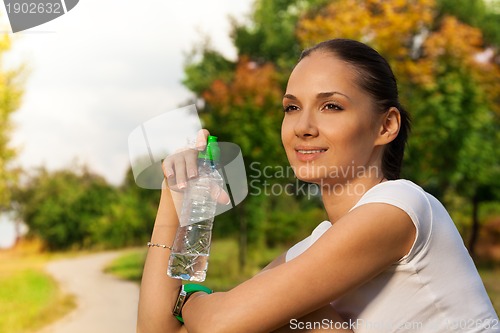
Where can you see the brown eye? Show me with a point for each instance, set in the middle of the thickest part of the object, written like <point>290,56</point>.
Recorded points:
<point>289,108</point>
<point>333,106</point>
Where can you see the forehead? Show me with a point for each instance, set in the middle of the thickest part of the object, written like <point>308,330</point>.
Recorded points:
<point>321,71</point>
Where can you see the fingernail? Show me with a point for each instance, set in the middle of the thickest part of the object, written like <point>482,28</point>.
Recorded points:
<point>181,185</point>
<point>228,202</point>
<point>192,173</point>
<point>169,173</point>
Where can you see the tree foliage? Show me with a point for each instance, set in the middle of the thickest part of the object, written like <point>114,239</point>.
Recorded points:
<point>77,209</point>
<point>481,14</point>
<point>10,98</point>
<point>270,36</point>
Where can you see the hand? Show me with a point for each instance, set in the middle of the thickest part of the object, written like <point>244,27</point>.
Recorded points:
<point>182,166</point>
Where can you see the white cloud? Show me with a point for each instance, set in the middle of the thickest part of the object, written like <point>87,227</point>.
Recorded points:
<point>104,68</point>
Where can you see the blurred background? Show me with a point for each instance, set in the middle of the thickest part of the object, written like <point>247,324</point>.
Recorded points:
<point>72,90</point>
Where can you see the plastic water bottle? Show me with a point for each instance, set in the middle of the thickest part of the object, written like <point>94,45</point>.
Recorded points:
<point>189,257</point>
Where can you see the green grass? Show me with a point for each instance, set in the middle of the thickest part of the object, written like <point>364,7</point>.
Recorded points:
<point>223,271</point>
<point>29,297</point>
<point>128,266</point>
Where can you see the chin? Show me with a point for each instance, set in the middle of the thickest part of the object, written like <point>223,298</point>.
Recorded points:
<point>309,172</point>
<point>310,178</point>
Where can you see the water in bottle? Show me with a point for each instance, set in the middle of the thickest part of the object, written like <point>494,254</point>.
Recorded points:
<point>189,257</point>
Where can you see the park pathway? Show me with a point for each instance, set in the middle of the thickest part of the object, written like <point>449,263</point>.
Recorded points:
<point>104,304</point>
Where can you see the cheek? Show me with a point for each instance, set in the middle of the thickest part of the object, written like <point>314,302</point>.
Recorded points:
<point>286,132</point>
<point>287,139</point>
<point>355,139</point>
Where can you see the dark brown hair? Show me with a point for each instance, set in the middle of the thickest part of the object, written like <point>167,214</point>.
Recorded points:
<point>375,76</point>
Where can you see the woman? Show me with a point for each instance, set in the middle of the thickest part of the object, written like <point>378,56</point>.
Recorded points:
<point>388,260</point>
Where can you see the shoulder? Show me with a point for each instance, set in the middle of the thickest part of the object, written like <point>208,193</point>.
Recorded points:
<point>398,190</point>
<point>409,198</point>
<point>403,194</point>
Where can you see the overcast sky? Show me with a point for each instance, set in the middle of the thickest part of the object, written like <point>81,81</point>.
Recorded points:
<point>102,69</point>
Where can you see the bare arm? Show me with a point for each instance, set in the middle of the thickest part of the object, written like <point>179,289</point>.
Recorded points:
<point>325,319</point>
<point>355,249</point>
<point>158,291</point>
<point>276,262</point>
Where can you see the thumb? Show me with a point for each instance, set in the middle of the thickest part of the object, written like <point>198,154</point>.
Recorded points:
<point>224,198</point>
<point>221,196</point>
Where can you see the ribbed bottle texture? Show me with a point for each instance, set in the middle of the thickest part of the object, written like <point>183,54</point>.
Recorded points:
<point>189,257</point>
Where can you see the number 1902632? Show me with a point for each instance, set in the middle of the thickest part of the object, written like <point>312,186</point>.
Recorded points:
<point>34,8</point>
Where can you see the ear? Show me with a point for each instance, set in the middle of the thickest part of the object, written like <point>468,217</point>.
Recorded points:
<point>389,129</point>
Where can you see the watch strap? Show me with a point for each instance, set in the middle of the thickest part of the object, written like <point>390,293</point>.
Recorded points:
<point>185,291</point>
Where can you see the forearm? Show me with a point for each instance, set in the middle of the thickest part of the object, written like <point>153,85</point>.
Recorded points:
<point>325,319</point>
<point>158,291</point>
<point>203,314</point>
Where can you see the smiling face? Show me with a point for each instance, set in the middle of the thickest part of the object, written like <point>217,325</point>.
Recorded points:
<point>330,130</point>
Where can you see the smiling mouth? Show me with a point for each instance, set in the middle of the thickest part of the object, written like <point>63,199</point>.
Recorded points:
<point>315,151</point>
<point>306,154</point>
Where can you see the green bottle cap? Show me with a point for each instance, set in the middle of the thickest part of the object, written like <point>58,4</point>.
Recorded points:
<point>212,152</point>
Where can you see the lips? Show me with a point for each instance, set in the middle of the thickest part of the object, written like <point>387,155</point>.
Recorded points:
<point>306,154</point>
<point>302,151</point>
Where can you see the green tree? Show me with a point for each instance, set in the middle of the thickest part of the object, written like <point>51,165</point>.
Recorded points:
<point>61,207</point>
<point>481,14</point>
<point>79,209</point>
<point>460,135</point>
<point>128,219</point>
<point>271,37</point>
<point>10,99</point>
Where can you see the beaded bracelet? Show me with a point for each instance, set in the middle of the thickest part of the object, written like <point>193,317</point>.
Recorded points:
<point>159,245</point>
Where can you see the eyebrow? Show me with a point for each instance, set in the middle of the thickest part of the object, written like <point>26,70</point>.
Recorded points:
<point>319,95</point>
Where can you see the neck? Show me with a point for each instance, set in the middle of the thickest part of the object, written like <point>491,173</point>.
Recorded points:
<point>339,198</point>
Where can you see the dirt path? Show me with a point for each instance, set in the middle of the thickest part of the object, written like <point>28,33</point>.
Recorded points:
<point>104,303</point>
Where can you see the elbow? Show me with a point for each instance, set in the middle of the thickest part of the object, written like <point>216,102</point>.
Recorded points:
<point>209,326</point>
<point>201,323</point>
<point>205,315</point>
<point>150,325</point>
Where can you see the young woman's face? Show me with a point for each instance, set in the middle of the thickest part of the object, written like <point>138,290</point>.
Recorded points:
<point>330,127</point>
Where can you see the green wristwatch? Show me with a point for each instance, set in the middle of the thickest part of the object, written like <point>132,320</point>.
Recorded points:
<point>184,293</point>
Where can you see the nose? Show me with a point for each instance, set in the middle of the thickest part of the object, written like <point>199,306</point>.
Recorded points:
<point>306,125</point>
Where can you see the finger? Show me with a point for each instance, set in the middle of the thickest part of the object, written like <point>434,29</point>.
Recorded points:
<point>201,139</point>
<point>168,169</point>
<point>180,172</point>
<point>168,166</point>
<point>191,159</point>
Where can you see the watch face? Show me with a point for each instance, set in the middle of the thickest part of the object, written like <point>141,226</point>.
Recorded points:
<point>180,302</point>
